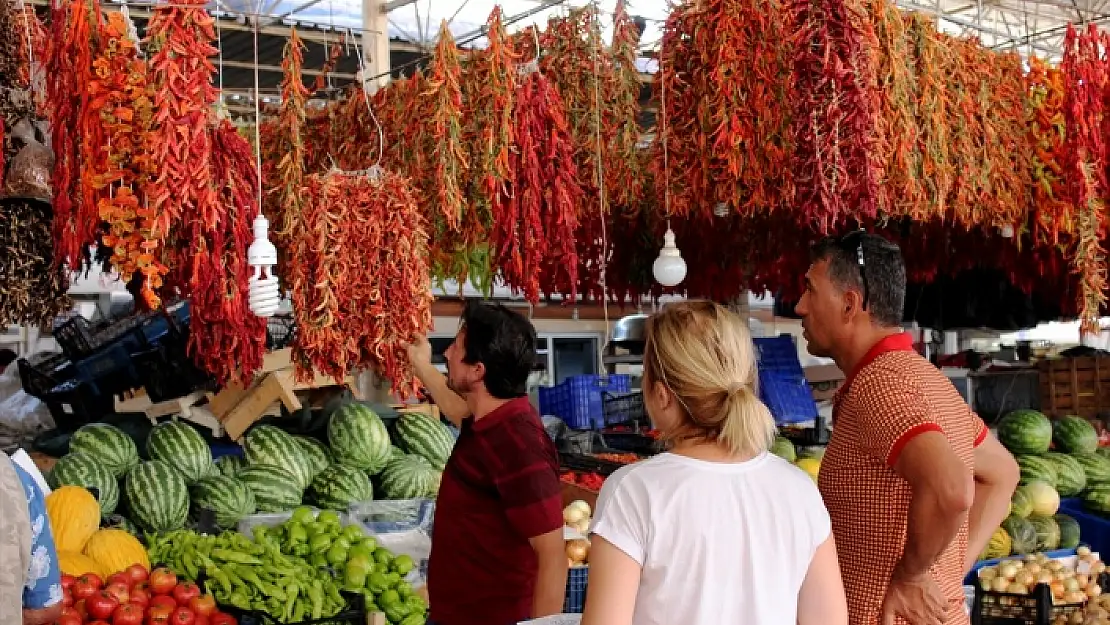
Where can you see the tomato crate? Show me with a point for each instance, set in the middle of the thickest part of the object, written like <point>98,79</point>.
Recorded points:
<point>588,464</point>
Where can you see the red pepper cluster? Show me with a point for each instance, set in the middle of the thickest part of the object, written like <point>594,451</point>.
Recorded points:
<point>589,481</point>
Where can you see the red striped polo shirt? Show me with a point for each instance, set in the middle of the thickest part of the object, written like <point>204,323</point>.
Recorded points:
<point>500,488</point>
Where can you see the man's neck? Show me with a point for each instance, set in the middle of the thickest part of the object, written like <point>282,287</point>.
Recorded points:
<point>856,350</point>
<point>481,404</point>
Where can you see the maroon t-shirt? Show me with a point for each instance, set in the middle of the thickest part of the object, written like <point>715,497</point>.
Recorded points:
<point>500,488</point>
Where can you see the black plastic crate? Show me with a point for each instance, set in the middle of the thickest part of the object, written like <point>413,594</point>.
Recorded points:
<point>1035,608</point>
<point>623,407</point>
<point>167,374</point>
<point>630,442</point>
<point>78,337</point>
<point>355,614</point>
<point>74,403</point>
<point>588,464</point>
<point>807,437</point>
<point>42,372</point>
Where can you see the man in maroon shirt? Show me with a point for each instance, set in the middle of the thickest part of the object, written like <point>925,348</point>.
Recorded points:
<point>498,555</point>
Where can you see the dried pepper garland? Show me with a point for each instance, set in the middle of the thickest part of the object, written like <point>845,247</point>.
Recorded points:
<point>897,80</point>
<point>1007,149</point>
<point>360,283</point>
<point>284,197</point>
<point>837,130</point>
<point>1086,165</point>
<point>938,171</point>
<point>1053,213</point>
<point>122,96</point>
<point>33,286</point>
<point>625,160</point>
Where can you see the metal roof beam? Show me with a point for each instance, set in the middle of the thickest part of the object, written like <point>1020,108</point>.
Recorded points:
<point>393,5</point>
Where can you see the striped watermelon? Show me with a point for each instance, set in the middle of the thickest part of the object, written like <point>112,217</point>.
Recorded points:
<point>1095,466</point>
<point>1025,432</point>
<point>1074,435</point>
<point>275,488</point>
<point>110,445</point>
<point>396,452</point>
<point>1098,498</point>
<point>1069,531</point>
<point>425,437</point>
<point>1071,477</point>
<point>267,445</point>
<point>157,497</point>
<point>1037,468</point>
<point>120,522</point>
<point>338,486</point>
<point>316,453</point>
<point>229,466</point>
<point>81,469</point>
<point>411,477</point>
<point>179,445</point>
<point>1048,532</point>
<point>228,498</point>
<point>358,438</point>
<point>1104,452</point>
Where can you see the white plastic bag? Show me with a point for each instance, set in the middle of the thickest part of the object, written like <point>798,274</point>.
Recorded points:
<point>19,412</point>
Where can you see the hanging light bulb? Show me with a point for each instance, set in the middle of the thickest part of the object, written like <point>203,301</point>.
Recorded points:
<point>265,295</point>
<point>669,269</point>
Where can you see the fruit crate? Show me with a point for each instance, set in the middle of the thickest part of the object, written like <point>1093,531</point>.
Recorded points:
<point>782,381</point>
<point>1075,386</point>
<point>1035,608</point>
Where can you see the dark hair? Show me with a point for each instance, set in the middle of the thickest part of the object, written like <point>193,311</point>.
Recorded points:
<point>872,265</point>
<point>7,357</point>
<point>502,340</point>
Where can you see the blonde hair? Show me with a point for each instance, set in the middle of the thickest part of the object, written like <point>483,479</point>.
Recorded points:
<point>703,354</point>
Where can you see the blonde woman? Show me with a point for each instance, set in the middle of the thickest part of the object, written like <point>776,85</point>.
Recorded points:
<point>716,531</point>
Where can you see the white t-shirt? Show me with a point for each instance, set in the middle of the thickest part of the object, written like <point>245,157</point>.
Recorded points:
<point>719,544</point>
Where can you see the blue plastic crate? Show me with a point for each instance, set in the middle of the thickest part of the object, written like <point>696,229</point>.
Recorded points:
<point>578,579</point>
<point>787,395</point>
<point>778,353</point>
<point>577,401</point>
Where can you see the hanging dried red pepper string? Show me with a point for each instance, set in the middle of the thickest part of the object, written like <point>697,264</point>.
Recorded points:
<point>932,60</point>
<point>898,106</point>
<point>1054,215</point>
<point>284,196</point>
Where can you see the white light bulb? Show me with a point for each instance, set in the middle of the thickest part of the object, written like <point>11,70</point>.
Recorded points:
<point>669,269</point>
<point>265,292</point>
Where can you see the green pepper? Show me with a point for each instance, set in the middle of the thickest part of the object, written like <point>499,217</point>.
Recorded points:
<point>416,604</point>
<point>396,612</point>
<point>316,595</point>
<point>413,619</point>
<point>228,555</point>
<point>377,583</point>
<point>389,598</point>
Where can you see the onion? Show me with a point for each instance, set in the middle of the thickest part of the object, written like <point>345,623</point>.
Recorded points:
<point>1025,578</point>
<point>1034,568</point>
<point>1000,584</point>
<point>1057,588</point>
<point>1007,570</point>
<point>1071,584</point>
<point>1017,589</point>
<point>572,515</point>
<point>578,550</point>
<point>581,505</point>
<point>1045,577</point>
<point>1077,596</point>
<point>1083,551</point>
<point>582,526</point>
<point>1094,590</point>
<point>988,572</point>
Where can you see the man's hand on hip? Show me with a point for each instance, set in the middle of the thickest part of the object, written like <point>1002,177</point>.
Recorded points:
<point>917,599</point>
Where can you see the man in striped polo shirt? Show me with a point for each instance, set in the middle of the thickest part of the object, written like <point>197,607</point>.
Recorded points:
<point>498,555</point>
<point>913,481</point>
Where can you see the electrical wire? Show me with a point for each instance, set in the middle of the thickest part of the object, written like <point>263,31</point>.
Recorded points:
<point>257,122</point>
<point>595,37</point>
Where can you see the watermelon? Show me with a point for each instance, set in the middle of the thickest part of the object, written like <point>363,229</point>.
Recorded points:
<point>338,486</point>
<point>120,522</point>
<point>1098,498</point>
<point>228,498</point>
<point>316,453</point>
<point>784,449</point>
<point>1023,535</point>
<point>998,547</point>
<point>1048,533</point>
<point>82,469</point>
<point>275,489</point>
<point>1025,432</point>
<point>1069,531</point>
<point>426,437</point>
<point>266,445</point>
<point>108,444</point>
<point>1046,501</point>
<point>156,496</point>
<point>396,452</point>
<point>1074,435</point>
<point>1104,452</point>
<point>1021,504</point>
<point>358,438</point>
<point>179,445</point>
<point>230,466</point>
<point>411,477</point>
<point>1071,477</point>
<point>1095,466</point>
<point>1037,468</point>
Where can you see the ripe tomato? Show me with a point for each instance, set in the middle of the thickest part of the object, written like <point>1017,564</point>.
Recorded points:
<point>137,573</point>
<point>162,581</point>
<point>92,579</point>
<point>68,581</point>
<point>128,614</point>
<point>120,591</point>
<point>67,598</point>
<point>202,620</point>
<point>83,590</point>
<point>183,616</point>
<point>78,609</point>
<point>203,605</point>
<point>69,619</point>
<point>221,618</point>
<point>185,592</point>
<point>101,605</point>
<point>140,597</point>
<point>119,578</point>
<point>159,615</point>
<point>100,622</point>
<point>163,601</point>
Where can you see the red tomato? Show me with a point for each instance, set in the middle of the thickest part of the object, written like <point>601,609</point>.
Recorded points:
<point>101,605</point>
<point>120,591</point>
<point>220,618</point>
<point>128,614</point>
<point>183,616</point>
<point>185,592</point>
<point>203,605</point>
<point>67,598</point>
<point>78,609</point>
<point>159,615</point>
<point>163,601</point>
<point>162,581</point>
<point>140,596</point>
<point>137,573</point>
<point>119,578</point>
<point>202,620</point>
<point>69,619</point>
<point>83,590</point>
<point>92,579</point>
<point>100,622</point>
<point>68,581</point>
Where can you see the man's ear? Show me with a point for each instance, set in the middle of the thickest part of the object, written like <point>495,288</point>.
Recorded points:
<point>480,371</point>
<point>852,302</point>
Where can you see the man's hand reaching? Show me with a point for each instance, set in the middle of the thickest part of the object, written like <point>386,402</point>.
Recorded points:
<point>420,352</point>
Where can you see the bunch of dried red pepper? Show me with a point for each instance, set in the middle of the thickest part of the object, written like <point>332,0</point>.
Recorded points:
<point>1053,219</point>
<point>360,283</point>
<point>287,171</point>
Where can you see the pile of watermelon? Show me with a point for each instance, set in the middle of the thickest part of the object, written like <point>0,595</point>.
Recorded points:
<point>278,472</point>
<point>1058,458</point>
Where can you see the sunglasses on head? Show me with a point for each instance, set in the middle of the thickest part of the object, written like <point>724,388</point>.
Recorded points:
<point>853,242</point>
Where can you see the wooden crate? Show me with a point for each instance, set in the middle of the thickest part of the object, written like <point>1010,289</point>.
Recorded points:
<point>1076,386</point>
